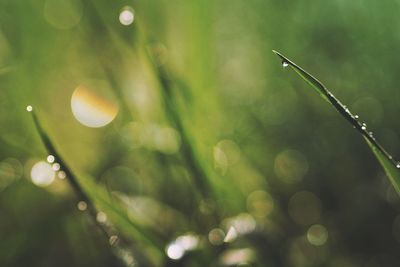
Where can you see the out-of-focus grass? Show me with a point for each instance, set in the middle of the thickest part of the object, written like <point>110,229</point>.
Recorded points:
<point>297,185</point>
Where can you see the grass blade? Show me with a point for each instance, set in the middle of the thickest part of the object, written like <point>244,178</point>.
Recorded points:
<point>97,198</point>
<point>390,166</point>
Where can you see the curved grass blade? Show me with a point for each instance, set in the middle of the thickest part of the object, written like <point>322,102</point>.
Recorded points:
<point>390,166</point>
<point>97,198</point>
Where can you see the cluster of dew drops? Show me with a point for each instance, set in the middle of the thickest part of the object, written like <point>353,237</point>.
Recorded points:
<point>82,205</point>
<point>126,18</point>
<point>285,64</point>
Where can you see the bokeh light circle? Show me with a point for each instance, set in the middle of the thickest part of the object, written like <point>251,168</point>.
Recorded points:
<point>317,235</point>
<point>92,108</point>
<point>290,166</point>
<point>42,174</point>
<point>127,16</point>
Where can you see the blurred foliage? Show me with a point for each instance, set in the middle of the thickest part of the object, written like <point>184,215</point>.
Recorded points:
<point>216,156</point>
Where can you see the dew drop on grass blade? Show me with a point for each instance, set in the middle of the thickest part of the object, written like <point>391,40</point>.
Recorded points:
<point>390,166</point>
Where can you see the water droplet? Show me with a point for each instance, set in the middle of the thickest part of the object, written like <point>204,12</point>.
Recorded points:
<point>364,126</point>
<point>82,206</point>
<point>101,217</point>
<point>127,16</point>
<point>29,108</point>
<point>285,64</point>
<point>62,175</point>
<point>50,158</point>
<point>398,165</point>
<point>356,116</point>
<point>56,166</point>
<point>113,240</point>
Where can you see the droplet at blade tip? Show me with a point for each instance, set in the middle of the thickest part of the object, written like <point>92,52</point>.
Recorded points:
<point>282,57</point>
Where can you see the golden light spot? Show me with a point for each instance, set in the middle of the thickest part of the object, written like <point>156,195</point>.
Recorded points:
<point>92,110</point>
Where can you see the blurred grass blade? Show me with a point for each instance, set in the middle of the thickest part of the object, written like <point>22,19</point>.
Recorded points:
<point>390,166</point>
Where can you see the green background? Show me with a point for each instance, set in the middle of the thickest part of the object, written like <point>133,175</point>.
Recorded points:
<point>254,142</point>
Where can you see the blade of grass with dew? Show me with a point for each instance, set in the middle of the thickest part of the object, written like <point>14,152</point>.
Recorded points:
<point>97,198</point>
<point>390,166</point>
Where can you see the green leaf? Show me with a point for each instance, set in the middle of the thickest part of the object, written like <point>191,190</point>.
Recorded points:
<point>390,166</point>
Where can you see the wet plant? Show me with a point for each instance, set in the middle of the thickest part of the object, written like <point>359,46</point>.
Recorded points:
<point>390,165</point>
